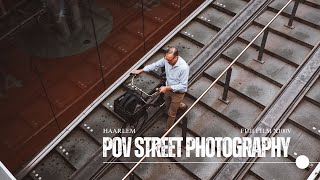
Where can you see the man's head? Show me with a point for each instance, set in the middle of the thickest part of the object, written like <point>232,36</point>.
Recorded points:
<point>172,55</point>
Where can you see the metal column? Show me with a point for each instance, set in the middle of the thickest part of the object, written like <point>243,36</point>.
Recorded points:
<point>226,87</point>
<point>184,130</point>
<point>262,46</point>
<point>293,14</point>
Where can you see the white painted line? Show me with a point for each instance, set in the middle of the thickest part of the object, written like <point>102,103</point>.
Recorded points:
<point>314,173</point>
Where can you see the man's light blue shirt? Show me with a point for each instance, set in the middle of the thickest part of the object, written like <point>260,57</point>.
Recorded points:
<point>177,75</point>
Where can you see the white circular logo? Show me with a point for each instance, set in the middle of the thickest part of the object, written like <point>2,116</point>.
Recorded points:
<point>302,162</point>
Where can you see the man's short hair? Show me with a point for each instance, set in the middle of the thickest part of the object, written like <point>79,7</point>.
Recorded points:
<point>173,50</point>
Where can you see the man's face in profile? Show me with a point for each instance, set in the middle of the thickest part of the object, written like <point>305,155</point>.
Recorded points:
<point>171,58</point>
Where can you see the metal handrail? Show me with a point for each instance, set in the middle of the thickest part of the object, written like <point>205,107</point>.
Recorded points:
<point>212,84</point>
<point>139,89</point>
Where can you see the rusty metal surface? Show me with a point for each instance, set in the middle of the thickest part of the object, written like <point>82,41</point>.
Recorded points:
<point>45,94</point>
<point>253,88</point>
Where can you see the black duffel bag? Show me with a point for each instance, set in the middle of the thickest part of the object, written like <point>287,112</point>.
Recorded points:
<point>130,107</point>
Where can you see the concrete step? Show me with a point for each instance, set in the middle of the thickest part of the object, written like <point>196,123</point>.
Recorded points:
<point>294,134</point>
<point>53,166</point>
<point>302,33</point>
<point>157,129</point>
<point>206,123</point>
<point>77,148</point>
<point>204,170</point>
<point>116,172</point>
<point>307,115</point>
<point>274,69</point>
<point>314,94</point>
<point>278,46</point>
<point>279,170</point>
<point>201,170</point>
<point>214,17</point>
<point>211,99</point>
<point>230,6</point>
<point>198,32</point>
<point>160,170</point>
<point>245,82</point>
<point>305,13</point>
<point>299,148</point>
<point>239,110</point>
<point>313,3</point>
<point>251,176</point>
<point>155,170</point>
<point>97,120</point>
<point>92,166</point>
<point>299,140</point>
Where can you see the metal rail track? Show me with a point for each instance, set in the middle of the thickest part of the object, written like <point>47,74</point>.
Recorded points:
<point>76,153</point>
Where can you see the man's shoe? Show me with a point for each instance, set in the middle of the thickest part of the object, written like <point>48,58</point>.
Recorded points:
<point>183,106</point>
<point>165,130</point>
<point>181,110</point>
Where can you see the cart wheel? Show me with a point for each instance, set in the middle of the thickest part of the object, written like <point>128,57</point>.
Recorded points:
<point>140,124</point>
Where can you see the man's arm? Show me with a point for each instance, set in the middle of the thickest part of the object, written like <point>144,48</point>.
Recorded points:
<point>154,66</point>
<point>137,71</point>
<point>150,67</point>
<point>164,89</point>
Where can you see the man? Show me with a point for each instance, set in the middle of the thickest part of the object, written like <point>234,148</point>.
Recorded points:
<point>177,73</point>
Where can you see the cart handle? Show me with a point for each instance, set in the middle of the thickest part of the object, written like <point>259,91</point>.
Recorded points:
<point>139,89</point>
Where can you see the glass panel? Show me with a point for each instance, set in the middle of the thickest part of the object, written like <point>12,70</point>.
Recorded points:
<point>124,45</point>
<point>27,121</point>
<point>67,33</point>
<point>52,69</point>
